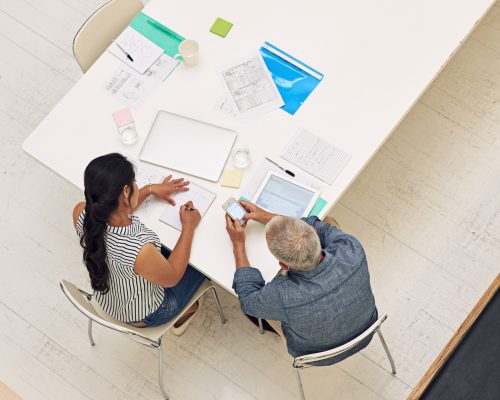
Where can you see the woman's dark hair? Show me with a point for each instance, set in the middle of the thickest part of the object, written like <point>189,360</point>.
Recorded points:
<point>104,179</point>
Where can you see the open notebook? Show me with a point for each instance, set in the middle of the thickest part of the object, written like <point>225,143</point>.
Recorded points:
<point>201,198</point>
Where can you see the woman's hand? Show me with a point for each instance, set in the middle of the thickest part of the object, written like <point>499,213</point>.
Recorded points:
<point>190,216</point>
<point>168,187</point>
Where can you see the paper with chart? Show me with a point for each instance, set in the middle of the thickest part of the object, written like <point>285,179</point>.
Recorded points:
<point>141,50</point>
<point>250,88</point>
<point>315,156</point>
<point>132,88</point>
<point>201,198</point>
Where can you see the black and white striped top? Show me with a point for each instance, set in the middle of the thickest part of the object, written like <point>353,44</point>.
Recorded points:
<point>130,297</point>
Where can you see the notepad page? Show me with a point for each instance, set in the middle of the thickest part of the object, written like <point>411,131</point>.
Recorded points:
<point>142,50</point>
<point>201,198</point>
<point>315,156</point>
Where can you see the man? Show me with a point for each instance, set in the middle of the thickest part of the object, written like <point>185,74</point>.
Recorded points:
<point>324,300</point>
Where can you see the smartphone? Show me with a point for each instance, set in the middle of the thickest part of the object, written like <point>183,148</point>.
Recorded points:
<point>234,210</point>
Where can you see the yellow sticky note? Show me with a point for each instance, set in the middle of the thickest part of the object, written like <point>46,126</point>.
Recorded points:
<point>232,178</point>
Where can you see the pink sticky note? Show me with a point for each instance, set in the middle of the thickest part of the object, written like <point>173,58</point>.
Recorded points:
<point>123,116</point>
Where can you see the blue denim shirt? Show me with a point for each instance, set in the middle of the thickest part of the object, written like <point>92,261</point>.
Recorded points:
<point>319,309</point>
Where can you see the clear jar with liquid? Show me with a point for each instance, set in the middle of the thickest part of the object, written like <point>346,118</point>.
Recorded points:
<point>128,133</point>
<point>125,124</point>
<point>241,157</point>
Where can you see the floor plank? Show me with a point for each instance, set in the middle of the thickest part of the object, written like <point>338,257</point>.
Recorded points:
<point>31,80</point>
<point>43,25</point>
<point>473,77</point>
<point>44,51</point>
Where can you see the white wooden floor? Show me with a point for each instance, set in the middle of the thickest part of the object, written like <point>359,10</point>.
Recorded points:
<point>427,209</point>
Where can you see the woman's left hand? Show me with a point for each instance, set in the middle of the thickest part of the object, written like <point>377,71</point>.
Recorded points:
<point>168,187</point>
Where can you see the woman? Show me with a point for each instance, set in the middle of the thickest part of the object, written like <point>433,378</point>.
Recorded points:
<point>134,279</point>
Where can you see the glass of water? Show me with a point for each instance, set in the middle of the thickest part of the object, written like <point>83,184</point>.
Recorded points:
<point>125,125</point>
<point>241,157</point>
<point>128,133</point>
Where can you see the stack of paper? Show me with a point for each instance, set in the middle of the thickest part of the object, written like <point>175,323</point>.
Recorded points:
<point>146,49</point>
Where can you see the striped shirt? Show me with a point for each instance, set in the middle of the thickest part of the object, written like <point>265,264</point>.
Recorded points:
<point>130,297</point>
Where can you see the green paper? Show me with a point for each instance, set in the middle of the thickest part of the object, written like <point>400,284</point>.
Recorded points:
<point>318,206</point>
<point>221,27</point>
<point>159,34</point>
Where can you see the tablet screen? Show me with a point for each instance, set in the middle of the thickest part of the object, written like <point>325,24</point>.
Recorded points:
<point>283,197</point>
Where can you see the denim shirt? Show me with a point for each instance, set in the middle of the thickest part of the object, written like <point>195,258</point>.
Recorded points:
<point>319,309</point>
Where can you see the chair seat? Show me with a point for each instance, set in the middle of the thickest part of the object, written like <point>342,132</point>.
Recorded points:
<point>153,333</point>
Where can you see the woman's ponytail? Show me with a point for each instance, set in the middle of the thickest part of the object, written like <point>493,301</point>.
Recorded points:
<point>104,180</point>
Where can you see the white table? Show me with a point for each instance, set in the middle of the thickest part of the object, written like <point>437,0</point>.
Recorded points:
<point>377,57</point>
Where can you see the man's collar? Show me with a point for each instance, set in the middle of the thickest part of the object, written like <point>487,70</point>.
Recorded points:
<point>316,270</point>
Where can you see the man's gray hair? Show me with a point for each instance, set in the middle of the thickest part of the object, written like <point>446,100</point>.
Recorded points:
<point>293,242</point>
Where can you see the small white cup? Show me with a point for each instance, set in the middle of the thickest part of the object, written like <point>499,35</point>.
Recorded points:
<point>188,52</point>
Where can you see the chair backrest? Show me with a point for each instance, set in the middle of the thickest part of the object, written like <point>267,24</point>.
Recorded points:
<point>308,359</point>
<point>83,302</point>
<point>101,28</point>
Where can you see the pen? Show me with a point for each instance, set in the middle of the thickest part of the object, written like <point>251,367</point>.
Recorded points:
<point>280,167</point>
<point>122,49</point>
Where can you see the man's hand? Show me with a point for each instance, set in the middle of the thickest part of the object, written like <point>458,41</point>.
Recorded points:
<point>237,236</point>
<point>235,232</point>
<point>256,213</point>
<point>168,187</point>
<point>190,216</point>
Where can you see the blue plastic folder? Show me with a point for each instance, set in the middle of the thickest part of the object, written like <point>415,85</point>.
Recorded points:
<point>294,79</point>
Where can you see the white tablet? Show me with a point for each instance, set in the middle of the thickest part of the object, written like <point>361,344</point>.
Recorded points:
<point>285,196</point>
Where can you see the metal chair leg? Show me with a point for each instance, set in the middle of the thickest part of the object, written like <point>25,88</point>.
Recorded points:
<point>299,384</point>
<point>393,366</point>
<point>217,303</point>
<point>160,372</point>
<point>261,327</point>
<point>92,343</point>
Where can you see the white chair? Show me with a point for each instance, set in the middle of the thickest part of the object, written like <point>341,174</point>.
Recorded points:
<point>101,28</point>
<point>151,337</point>
<point>307,360</point>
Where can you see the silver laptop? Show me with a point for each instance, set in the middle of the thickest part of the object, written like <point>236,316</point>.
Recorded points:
<point>187,145</point>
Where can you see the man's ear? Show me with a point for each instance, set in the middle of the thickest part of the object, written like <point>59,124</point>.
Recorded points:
<point>283,266</point>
